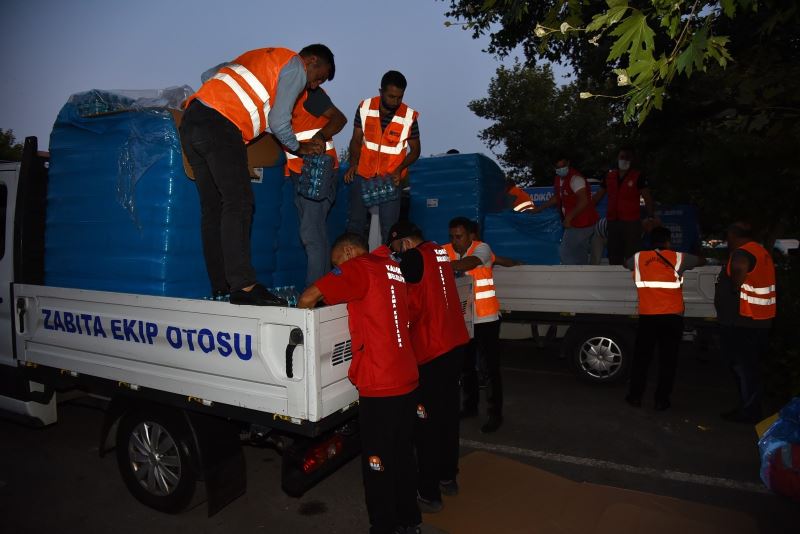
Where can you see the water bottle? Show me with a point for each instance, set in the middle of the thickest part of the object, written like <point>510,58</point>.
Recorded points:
<point>292,297</point>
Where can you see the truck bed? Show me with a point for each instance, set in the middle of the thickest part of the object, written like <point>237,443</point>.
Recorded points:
<point>591,289</point>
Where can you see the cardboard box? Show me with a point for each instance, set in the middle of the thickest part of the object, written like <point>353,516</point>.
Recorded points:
<point>264,151</point>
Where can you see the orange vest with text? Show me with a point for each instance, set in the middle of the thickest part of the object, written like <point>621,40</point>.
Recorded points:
<point>757,296</point>
<point>243,90</point>
<point>486,302</point>
<point>659,285</point>
<point>382,151</point>
<point>522,200</point>
<point>305,126</point>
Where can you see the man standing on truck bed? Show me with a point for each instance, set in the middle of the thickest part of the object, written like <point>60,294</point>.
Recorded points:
<point>236,105</point>
<point>384,129</point>
<point>438,335</point>
<point>572,194</point>
<point>314,115</point>
<point>624,186</point>
<point>658,275</point>
<point>476,259</point>
<point>745,299</point>
<point>384,370</point>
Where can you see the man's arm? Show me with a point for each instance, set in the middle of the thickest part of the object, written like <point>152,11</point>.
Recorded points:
<point>410,158</point>
<point>291,82</point>
<point>552,201</point>
<point>310,297</point>
<point>355,153</point>
<point>336,121</point>
<point>601,192</point>
<point>466,264</point>
<point>740,266</point>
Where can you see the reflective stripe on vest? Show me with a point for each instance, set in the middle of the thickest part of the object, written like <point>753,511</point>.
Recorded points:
<point>659,283</point>
<point>486,302</point>
<point>407,121</point>
<point>757,295</point>
<point>524,206</point>
<point>305,136</point>
<point>256,86</point>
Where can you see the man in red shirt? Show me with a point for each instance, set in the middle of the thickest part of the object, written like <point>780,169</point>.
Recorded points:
<point>384,370</point>
<point>438,335</point>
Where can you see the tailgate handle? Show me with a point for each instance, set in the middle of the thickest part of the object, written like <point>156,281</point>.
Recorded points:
<point>295,338</point>
<point>21,314</point>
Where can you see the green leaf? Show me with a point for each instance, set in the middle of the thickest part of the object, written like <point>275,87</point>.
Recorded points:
<point>617,3</point>
<point>728,7</point>
<point>634,37</point>
<point>693,56</point>
<point>607,18</point>
<point>658,97</point>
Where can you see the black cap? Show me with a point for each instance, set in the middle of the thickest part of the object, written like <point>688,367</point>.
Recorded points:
<point>402,229</point>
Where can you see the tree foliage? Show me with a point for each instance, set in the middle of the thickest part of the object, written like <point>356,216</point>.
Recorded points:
<point>536,121</point>
<point>10,150</point>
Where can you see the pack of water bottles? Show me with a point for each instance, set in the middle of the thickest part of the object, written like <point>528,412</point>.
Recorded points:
<point>316,180</point>
<point>378,190</point>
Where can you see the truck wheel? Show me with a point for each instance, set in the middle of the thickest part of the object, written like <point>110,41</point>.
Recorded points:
<point>156,460</point>
<point>599,355</point>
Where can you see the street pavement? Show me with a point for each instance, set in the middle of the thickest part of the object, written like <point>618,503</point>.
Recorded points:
<point>52,480</point>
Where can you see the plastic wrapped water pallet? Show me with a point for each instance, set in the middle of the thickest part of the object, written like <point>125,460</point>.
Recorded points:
<point>121,213</point>
<point>449,186</point>
<point>531,239</point>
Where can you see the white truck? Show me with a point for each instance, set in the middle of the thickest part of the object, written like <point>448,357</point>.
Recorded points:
<point>593,309</point>
<point>184,379</point>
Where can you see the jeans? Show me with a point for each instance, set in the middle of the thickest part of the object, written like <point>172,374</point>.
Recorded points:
<point>575,246</point>
<point>624,240</point>
<point>314,234</point>
<point>214,148</point>
<point>665,333</point>
<point>358,219</point>
<point>486,345</point>
<point>742,348</point>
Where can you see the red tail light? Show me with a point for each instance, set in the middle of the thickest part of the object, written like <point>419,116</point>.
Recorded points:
<point>321,453</point>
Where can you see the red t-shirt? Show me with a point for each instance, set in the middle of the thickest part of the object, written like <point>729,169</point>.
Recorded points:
<point>383,362</point>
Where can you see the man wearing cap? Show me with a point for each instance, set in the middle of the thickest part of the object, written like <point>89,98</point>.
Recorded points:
<point>438,336</point>
<point>384,370</point>
<point>233,107</point>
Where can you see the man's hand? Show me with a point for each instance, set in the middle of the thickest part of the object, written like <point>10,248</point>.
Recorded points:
<point>350,174</point>
<point>567,223</point>
<point>396,176</point>
<point>312,146</point>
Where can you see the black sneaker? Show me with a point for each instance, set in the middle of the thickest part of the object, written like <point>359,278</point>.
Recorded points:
<point>258,296</point>
<point>492,424</point>
<point>448,487</point>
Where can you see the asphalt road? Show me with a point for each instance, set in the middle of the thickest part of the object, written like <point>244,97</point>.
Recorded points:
<point>52,480</point>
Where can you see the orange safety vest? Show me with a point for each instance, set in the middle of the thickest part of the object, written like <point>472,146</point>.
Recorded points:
<point>522,200</point>
<point>757,296</point>
<point>242,91</point>
<point>486,302</point>
<point>658,284</point>
<point>305,126</point>
<point>382,151</point>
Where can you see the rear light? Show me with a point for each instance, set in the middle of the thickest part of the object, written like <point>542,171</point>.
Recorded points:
<point>321,453</point>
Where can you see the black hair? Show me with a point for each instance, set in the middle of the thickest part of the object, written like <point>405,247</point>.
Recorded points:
<point>465,223</point>
<point>660,235</point>
<point>395,78</point>
<point>323,53</point>
<point>559,155</point>
<point>352,239</point>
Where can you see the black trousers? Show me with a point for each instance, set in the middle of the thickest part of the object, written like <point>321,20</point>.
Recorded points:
<point>214,148</point>
<point>742,348</point>
<point>624,240</point>
<point>436,430</point>
<point>485,343</point>
<point>387,461</point>
<point>663,332</point>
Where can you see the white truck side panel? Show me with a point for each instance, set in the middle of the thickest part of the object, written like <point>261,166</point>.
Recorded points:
<point>592,289</point>
<point>212,351</point>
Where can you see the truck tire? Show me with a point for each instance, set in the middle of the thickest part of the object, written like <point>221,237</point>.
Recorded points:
<point>155,456</point>
<point>600,354</point>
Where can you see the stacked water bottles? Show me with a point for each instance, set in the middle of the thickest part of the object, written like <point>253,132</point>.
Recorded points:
<point>288,293</point>
<point>316,175</point>
<point>378,190</point>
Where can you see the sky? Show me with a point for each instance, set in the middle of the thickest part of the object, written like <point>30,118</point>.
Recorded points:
<point>52,49</point>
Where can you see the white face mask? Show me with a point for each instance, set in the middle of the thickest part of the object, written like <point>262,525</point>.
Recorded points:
<point>623,164</point>
<point>562,171</point>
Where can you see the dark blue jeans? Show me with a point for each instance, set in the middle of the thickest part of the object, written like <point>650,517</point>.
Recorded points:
<point>214,148</point>
<point>314,233</point>
<point>742,348</point>
<point>358,219</point>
